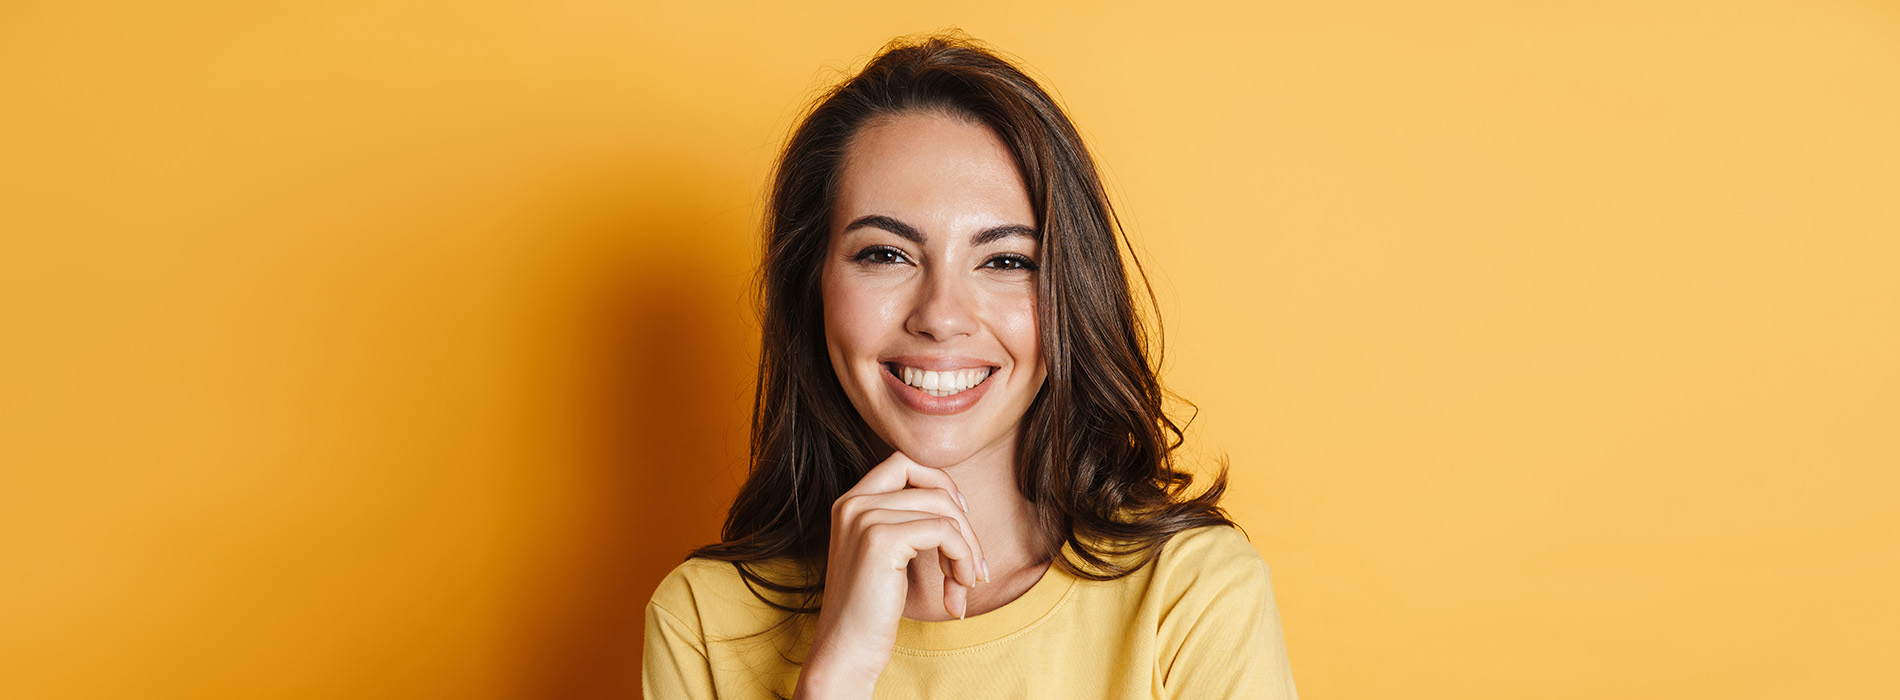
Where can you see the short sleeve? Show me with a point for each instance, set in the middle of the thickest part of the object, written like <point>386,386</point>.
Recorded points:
<point>1222,637</point>
<point>674,664</point>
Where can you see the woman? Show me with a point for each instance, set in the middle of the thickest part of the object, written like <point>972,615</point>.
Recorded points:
<point>962,481</point>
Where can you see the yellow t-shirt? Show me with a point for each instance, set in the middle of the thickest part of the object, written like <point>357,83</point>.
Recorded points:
<point>1200,622</point>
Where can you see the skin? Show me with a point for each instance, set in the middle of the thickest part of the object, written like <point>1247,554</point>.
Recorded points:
<point>946,277</point>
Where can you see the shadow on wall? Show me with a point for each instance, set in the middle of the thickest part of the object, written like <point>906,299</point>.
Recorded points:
<point>664,391</point>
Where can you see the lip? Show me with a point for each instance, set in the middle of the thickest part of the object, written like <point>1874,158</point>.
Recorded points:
<point>937,363</point>
<point>915,398</point>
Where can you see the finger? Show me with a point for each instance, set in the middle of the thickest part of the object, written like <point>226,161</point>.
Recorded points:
<point>904,540</point>
<point>899,472</point>
<point>889,475</point>
<point>965,571</point>
<point>937,501</point>
<point>922,477</point>
<point>968,570</point>
<point>956,598</point>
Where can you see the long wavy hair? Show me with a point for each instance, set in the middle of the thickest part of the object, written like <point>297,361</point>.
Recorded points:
<point>1095,452</point>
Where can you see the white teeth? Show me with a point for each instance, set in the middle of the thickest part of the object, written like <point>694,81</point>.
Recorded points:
<point>946,382</point>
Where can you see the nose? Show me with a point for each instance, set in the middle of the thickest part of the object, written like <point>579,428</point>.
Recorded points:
<point>945,308</point>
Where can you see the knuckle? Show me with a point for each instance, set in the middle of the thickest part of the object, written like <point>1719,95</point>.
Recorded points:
<point>851,509</point>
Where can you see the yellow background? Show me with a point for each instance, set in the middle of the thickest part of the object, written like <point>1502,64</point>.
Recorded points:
<point>397,349</point>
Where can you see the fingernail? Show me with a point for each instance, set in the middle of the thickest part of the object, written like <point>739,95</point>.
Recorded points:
<point>962,504</point>
<point>984,564</point>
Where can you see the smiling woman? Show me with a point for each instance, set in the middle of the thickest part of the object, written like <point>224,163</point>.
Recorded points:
<point>932,287</point>
<point>962,476</point>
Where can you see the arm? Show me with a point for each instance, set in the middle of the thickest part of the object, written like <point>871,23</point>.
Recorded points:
<point>674,665</point>
<point>1222,639</point>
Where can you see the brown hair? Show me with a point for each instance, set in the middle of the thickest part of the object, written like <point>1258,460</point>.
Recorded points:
<point>1095,455</point>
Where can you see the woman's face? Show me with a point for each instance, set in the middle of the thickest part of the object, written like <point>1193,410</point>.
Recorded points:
<point>930,288</point>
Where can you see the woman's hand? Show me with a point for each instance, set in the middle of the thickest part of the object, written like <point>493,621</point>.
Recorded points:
<point>900,509</point>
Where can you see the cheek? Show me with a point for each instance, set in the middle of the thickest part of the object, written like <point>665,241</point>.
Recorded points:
<point>855,316</point>
<point>1019,330</point>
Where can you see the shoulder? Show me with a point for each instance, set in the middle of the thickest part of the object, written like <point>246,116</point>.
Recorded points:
<point>683,588</point>
<point>1210,539</point>
<point>1217,625</point>
<point>707,594</point>
<point>1214,556</point>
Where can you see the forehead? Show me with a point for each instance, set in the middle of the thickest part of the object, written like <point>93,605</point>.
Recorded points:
<point>937,172</point>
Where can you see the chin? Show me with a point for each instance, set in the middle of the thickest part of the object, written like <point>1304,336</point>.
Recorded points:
<point>940,451</point>
<point>937,459</point>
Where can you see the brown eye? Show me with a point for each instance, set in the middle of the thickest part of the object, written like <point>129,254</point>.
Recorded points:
<point>879,255</point>
<point>1010,261</point>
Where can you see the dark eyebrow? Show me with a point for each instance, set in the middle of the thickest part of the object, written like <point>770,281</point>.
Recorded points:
<point>887,223</point>
<point>910,233</point>
<point>992,235</point>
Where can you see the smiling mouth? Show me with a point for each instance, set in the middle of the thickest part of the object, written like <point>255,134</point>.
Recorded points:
<point>940,383</point>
